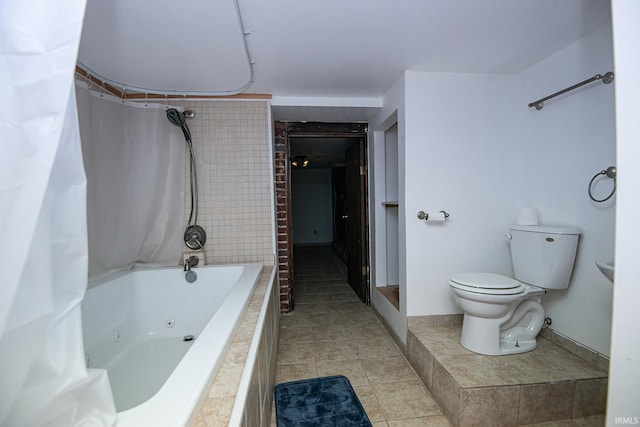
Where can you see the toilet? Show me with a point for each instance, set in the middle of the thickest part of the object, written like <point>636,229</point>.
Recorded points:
<point>503,315</point>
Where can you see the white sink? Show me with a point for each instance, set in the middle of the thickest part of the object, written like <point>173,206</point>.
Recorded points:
<point>606,266</point>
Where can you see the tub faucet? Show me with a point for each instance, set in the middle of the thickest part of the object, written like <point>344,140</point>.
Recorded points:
<point>192,261</point>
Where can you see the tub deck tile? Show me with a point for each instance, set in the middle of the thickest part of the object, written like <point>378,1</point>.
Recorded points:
<point>217,406</point>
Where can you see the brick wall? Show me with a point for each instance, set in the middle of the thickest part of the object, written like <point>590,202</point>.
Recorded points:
<point>283,218</point>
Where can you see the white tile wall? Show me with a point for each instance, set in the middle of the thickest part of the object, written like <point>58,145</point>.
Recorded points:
<point>232,144</point>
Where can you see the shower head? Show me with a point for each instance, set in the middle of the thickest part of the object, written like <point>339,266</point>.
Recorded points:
<point>177,118</point>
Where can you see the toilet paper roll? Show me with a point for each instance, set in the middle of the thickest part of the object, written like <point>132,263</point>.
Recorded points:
<point>527,216</point>
<point>437,217</point>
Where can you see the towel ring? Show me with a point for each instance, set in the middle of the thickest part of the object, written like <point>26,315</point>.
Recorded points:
<point>610,173</point>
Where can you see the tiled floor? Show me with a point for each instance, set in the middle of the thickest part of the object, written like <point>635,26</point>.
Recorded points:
<point>548,386</point>
<point>331,332</point>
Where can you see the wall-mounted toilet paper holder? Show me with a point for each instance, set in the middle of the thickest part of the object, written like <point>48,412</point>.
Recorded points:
<point>425,216</point>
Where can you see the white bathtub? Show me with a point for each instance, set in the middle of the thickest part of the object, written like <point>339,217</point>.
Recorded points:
<point>135,327</point>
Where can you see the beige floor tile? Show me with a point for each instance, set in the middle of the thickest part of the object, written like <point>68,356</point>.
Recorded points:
<point>442,340</point>
<point>352,369</point>
<point>388,369</point>
<point>289,353</point>
<point>323,297</point>
<point>334,350</point>
<point>447,392</point>
<point>420,358</point>
<point>473,370</point>
<point>380,346</point>
<point>402,400</point>
<point>495,406</point>
<point>369,402</point>
<point>317,308</point>
<point>350,307</point>
<point>363,390</point>
<point>293,335</point>
<point>421,323</point>
<point>330,333</point>
<point>338,287</point>
<point>543,344</point>
<point>574,366</point>
<point>527,368</point>
<point>546,402</point>
<point>432,421</point>
<point>347,296</point>
<point>366,330</point>
<point>372,408</point>
<point>559,423</point>
<point>593,421</point>
<point>326,319</point>
<point>362,318</point>
<point>301,371</point>
<point>591,397</point>
<point>295,320</point>
<point>314,291</point>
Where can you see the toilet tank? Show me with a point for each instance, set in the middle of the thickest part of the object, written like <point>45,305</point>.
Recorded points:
<point>543,256</point>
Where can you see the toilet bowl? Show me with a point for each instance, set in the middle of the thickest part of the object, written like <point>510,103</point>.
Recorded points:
<point>502,315</point>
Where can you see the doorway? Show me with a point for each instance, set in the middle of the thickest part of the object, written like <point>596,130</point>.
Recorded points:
<point>322,198</point>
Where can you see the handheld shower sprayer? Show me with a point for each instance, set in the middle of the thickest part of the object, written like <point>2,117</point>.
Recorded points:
<point>194,235</point>
<point>177,118</point>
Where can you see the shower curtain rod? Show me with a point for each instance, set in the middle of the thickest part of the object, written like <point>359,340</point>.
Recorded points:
<point>606,79</point>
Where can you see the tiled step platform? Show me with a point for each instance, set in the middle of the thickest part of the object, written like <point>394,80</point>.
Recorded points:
<point>547,384</point>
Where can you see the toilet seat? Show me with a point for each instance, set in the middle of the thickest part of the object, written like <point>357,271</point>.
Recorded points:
<point>487,283</point>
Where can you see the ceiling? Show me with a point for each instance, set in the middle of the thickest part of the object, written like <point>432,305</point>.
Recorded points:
<point>330,49</point>
<point>327,61</point>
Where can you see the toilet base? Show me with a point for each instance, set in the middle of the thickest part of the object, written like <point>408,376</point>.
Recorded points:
<point>483,336</point>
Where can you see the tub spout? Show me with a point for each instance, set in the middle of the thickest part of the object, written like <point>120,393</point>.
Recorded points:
<point>192,261</point>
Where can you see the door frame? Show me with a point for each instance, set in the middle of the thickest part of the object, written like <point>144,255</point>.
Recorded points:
<point>284,131</point>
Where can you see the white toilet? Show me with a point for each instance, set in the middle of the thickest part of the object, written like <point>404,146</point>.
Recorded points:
<point>504,315</point>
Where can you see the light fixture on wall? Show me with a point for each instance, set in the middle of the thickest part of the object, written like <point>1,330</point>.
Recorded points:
<point>299,162</point>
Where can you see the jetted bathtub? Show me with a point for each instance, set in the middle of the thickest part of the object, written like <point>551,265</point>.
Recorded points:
<point>161,338</point>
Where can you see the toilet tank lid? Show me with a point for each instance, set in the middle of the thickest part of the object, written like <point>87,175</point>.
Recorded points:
<point>546,229</point>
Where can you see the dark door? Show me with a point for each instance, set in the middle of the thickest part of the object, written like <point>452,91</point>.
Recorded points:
<point>355,216</point>
<point>339,213</point>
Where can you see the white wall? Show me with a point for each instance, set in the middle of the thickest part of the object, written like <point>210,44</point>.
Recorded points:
<point>312,209</point>
<point>624,372</point>
<point>561,147</point>
<point>460,151</point>
<point>469,145</point>
<point>392,112</point>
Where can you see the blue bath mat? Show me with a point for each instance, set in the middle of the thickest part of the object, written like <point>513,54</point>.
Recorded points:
<point>327,401</point>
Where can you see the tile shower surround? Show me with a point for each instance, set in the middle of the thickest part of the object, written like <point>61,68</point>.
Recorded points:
<point>232,144</point>
<point>560,380</point>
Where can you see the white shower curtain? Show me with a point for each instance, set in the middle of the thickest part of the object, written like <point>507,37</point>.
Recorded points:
<point>134,160</point>
<point>43,245</point>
